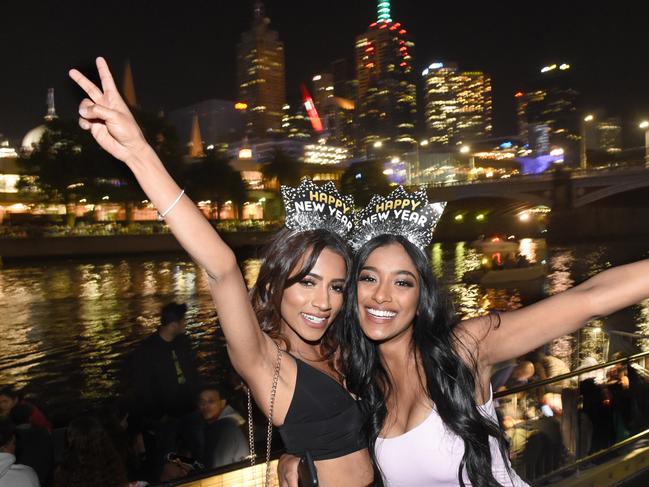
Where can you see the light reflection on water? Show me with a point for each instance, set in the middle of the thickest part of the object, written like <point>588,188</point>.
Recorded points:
<point>68,325</point>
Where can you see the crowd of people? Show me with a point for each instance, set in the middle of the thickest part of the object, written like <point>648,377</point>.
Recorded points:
<point>567,419</point>
<point>169,424</point>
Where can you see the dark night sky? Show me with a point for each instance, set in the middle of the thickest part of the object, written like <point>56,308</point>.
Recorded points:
<point>182,52</point>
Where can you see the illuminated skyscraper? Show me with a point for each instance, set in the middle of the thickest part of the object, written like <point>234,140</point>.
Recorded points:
<point>609,135</point>
<point>474,105</point>
<point>335,111</point>
<point>458,106</point>
<point>551,100</point>
<point>51,110</point>
<point>387,95</point>
<point>295,123</point>
<point>261,78</point>
<point>323,91</point>
<point>440,102</point>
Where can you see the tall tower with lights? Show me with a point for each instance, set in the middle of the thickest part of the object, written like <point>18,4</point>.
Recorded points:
<point>550,105</point>
<point>387,94</point>
<point>51,109</point>
<point>261,76</point>
<point>458,106</point>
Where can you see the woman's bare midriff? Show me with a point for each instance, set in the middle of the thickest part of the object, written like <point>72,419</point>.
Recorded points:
<point>353,470</point>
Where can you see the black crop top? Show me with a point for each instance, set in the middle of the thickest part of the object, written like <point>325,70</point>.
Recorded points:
<point>322,418</point>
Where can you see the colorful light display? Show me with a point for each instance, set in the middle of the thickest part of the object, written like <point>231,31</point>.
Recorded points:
<point>316,123</point>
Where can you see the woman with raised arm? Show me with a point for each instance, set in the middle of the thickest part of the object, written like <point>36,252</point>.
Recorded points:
<point>423,376</point>
<point>297,298</point>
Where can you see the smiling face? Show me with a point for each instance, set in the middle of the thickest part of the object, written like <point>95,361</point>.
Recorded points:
<point>309,306</point>
<point>388,293</point>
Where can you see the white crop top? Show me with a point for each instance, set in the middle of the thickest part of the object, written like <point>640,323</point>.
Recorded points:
<point>430,455</point>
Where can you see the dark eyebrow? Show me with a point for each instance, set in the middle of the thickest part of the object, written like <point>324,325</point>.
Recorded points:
<point>374,269</point>
<point>320,278</point>
<point>314,275</point>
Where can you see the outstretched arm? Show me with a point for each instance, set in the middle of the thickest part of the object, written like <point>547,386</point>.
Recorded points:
<point>528,328</point>
<point>107,117</point>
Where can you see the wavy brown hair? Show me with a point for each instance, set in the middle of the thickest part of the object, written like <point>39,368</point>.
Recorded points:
<point>281,258</point>
<point>91,458</point>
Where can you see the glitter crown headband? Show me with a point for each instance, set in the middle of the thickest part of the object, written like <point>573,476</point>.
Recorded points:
<point>399,213</point>
<point>312,207</point>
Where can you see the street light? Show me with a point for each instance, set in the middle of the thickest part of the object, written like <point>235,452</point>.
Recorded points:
<point>376,145</point>
<point>465,149</point>
<point>583,149</point>
<point>423,143</point>
<point>644,125</point>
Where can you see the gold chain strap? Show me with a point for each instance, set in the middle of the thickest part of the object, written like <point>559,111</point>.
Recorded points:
<point>251,430</point>
<point>269,436</point>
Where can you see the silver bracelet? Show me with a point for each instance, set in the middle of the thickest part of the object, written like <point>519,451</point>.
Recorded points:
<point>165,213</point>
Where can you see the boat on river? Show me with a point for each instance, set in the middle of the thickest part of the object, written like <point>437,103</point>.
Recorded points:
<point>495,243</point>
<point>495,276</point>
<point>531,273</point>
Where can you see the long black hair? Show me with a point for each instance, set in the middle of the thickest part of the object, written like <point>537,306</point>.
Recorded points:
<point>449,377</point>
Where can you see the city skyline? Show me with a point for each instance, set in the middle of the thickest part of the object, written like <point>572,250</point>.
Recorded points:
<point>187,55</point>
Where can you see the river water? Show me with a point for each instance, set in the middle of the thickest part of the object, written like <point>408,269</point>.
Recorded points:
<point>67,325</point>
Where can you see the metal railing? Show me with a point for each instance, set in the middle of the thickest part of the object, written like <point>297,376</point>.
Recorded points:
<point>554,430</point>
<point>559,426</point>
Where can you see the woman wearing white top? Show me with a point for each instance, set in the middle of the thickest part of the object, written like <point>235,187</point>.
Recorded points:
<point>424,376</point>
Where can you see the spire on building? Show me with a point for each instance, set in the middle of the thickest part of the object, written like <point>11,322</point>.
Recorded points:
<point>383,11</point>
<point>259,11</point>
<point>195,140</point>
<point>51,110</point>
<point>128,86</point>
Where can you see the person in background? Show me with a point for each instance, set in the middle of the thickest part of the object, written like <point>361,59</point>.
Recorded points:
<point>547,366</point>
<point>9,397</point>
<point>164,382</point>
<point>165,378</point>
<point>218,438</point>
<point>34,446</point>
<point>128,442</point>
<point>13,474</point>
<point>91,458</point>
<point>211,437</point>
<point>521,374</point>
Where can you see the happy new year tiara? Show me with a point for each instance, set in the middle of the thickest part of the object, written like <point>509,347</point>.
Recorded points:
<point>312,207</point>
<point>399,213</point>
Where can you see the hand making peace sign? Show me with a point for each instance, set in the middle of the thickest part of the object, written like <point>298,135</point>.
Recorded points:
<point>107,116</point>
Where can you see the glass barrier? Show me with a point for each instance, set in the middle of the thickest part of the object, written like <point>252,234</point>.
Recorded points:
<point>555,424</point>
